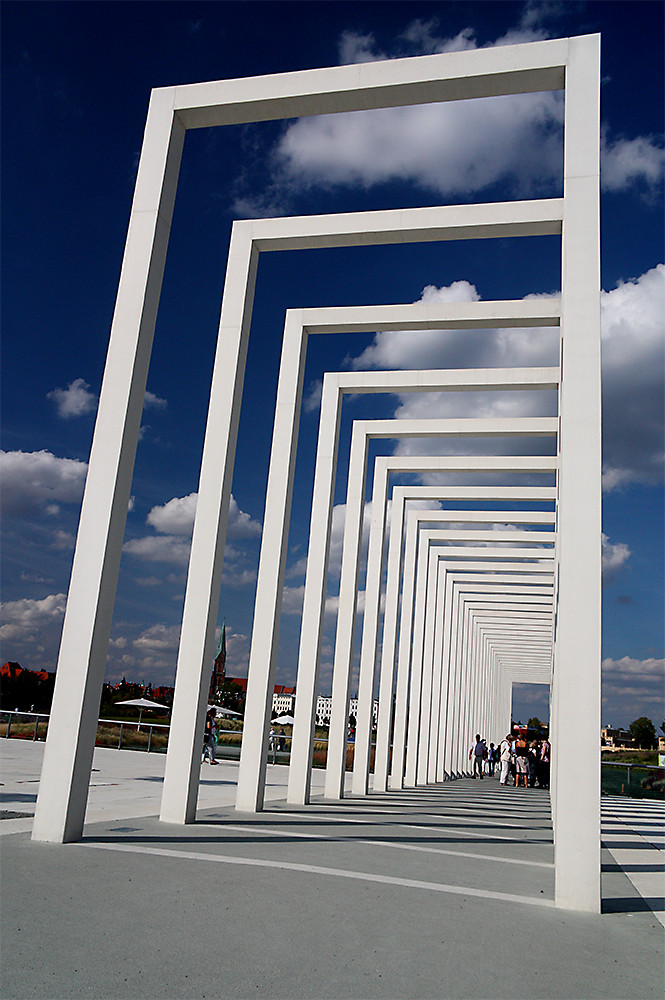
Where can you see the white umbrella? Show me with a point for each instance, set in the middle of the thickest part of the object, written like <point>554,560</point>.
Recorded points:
<point>283,720</point>
<point>142,703</point>
<point>225,711</point>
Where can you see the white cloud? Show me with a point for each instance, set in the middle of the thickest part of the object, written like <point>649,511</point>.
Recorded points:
<point>633,359</point>
<point>312,399</point>
<point>159,639</point>
<point>237,653</point>
<point>614,556</point>
<point>75,401</point>
<point>455,148</point>
<point>236,577</point>
<point>452,149</point>
<point>292,599</point>
<point>160,548</point>
<point>241,524</point>
<point>153,402</point>
<point>454,348</point>
<point>633,366</point>
<point>63,541</point>
<point>627,163</point>
<point>26,618</point>
<point>632,688</point>
<point>355,47</point>
<point>39,479</point>
<point>176,517</point>
<point>174,521</point>
<point>422,38</point>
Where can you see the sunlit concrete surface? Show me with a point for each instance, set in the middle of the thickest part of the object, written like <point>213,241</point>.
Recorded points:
<point>418,893</point>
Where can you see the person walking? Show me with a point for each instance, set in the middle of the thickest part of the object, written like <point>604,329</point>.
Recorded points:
<point>209,737</point>
<point>477,753</point>
<point>505,754</point>
<point>491,760</point>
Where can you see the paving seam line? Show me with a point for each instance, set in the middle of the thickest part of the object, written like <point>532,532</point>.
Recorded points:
<point>317,870</point>
<point>380,843</point>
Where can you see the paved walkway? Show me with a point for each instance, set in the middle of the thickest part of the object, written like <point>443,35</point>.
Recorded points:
<point>437,892</point>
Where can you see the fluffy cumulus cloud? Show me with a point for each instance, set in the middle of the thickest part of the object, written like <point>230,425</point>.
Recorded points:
<point>237,653</point>
<point>632,366</point>
<point>159,639</point>
<point>24,620</point>
<point>151,655</point>
<point>76,400</point>
<point>633,359</point>
<point>160,549</point>
<point>452,149</point>
<point>632,163</point>
<point>174,522</point>
<point>458,148</point>
<point>456,349</point>
<point>176,517</point>
<point>614,558</point>
<point>632,688</point>
<point>39,480</point>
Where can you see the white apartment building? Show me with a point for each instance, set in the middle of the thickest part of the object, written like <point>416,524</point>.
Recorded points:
<point>284,704</point>
<point>324,708</point>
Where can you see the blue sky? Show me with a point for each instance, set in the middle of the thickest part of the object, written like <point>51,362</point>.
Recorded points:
<point>76,83</point>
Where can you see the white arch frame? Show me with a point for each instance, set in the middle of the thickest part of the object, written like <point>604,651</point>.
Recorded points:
<point>573,64</point>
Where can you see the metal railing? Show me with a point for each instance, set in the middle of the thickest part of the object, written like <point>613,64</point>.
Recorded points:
<point>127,732</point>
<point>633,780</point>
<point>16,718</point>
<point>12,716</point>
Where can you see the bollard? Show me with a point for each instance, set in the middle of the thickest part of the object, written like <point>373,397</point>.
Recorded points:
<point>120,737</point>
<point>149,739</point>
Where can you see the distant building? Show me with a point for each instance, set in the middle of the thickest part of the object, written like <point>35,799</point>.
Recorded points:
<point>219,667</point>
<point>615,738</point>
<point>324,709</point>
<point>283,699</point>
<point>11,669</point>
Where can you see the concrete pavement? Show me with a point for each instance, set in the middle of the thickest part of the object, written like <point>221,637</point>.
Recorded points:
<point>437,892</point>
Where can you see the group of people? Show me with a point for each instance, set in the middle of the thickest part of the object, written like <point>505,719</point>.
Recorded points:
<point>526,762</point>
<point>277,741</point>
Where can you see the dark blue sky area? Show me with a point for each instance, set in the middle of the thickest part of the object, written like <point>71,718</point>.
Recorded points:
<point>76,80</point>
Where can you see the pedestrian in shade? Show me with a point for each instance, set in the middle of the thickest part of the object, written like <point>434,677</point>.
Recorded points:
<point>477,754</point>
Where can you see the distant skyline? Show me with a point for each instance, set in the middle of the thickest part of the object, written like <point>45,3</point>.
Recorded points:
<point>76,83</point>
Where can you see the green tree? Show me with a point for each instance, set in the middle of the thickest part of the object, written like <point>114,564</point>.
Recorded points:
<point>643,732</point>
<point>230,695</point>
<point>536,724</point>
